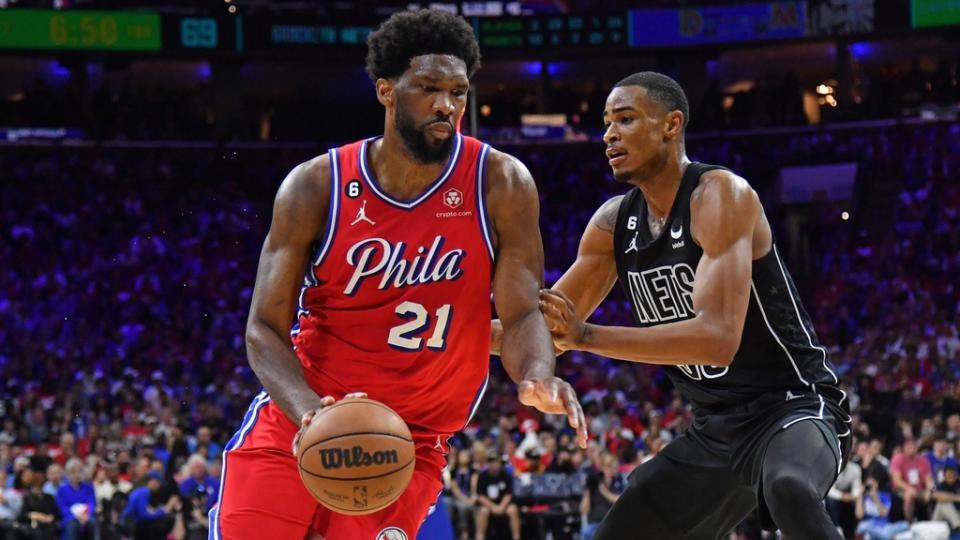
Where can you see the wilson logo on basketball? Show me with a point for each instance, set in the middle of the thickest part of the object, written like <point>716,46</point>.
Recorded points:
<point>336,458</point>
<point>453,198</point>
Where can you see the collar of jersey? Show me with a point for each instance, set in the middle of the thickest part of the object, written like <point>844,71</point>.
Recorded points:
<point>410,203</point>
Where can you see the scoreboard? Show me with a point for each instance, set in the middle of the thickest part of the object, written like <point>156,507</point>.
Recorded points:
<point>511,35</point>
<point>79,30</point>
<point>560,31</point>
<point>172,33</point>
<point>199,33</point>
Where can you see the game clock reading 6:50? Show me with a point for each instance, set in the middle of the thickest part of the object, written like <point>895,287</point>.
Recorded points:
<point>79,30</point>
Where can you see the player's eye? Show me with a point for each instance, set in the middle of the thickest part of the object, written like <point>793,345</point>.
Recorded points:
<point>427,88</point>
<point>626,120</point>
<point>459,93</point>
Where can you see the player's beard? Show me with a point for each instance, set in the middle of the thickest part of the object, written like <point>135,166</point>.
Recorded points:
<point>651,168</point>
<point>415,139</point>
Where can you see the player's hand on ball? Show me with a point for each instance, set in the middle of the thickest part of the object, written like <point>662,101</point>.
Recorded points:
<point>562,320</point>
<point>553,395</point>
<point>309,416</point>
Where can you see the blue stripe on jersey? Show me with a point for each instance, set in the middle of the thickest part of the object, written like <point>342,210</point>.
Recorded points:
<point>407,205</point>
<point>333,213</point>
<point>481,204</point>
<point>249,420</point>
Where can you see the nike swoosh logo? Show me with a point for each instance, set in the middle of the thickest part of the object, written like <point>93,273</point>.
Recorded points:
<point>676,234</point>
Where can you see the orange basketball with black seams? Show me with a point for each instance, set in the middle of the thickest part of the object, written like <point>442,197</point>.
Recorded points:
<point>357,456</point>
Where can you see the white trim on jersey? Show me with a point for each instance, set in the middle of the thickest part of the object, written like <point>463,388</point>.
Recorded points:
<point>818,416</point>
<point>451,165</point>
<point>796,309</point>
<point>333,216</point>
<point>753,287</point>
<point>481,201</point>
<point>253,412</point>
<point>334,211</point>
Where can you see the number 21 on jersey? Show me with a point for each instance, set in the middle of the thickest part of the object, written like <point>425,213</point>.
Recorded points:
<point>407,336</point>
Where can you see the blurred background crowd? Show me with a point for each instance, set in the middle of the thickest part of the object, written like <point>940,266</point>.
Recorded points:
<point>128,251</point>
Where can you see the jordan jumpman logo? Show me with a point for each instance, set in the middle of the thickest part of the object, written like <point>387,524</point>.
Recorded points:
<point>362,215</point>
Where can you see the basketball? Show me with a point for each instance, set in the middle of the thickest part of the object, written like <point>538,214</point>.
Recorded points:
<point>357,456</point>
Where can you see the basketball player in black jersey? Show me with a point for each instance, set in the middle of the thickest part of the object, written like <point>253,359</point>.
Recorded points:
<point>714,304</point>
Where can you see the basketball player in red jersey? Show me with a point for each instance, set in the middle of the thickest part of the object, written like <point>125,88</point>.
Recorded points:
<point>392,247</point>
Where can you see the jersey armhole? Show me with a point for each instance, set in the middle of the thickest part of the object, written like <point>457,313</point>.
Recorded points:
<point>333,212</point>
<point>481,201</point>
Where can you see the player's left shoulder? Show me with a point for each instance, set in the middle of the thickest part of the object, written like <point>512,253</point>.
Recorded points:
<point>506,172</point>
<point>723,208</point>
<point>725,190</point>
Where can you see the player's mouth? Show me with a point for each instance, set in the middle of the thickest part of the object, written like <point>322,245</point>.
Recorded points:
<point>615,156</point>
<point>440,130</point>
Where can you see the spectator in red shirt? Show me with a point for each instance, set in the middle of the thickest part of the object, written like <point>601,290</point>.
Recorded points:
<point>912,479</point>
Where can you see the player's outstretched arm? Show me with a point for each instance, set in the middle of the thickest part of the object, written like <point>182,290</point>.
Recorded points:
<point>724,213</point>
<point>589,280</point>
<point>526,348</point>
<point>299,215</point>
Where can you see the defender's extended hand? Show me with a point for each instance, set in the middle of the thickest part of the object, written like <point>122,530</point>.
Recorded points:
<point>561,315</point>
<point>309,416</point>
<point>555,396</point>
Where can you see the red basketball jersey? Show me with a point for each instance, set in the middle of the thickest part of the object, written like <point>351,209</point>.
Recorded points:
<point>397,300</point>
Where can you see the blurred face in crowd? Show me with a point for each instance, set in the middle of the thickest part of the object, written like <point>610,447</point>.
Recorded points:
<point>640,134</point>
<point>203,435</point>
<point>610,465</point>
<point>75,472</point>
<point>198,468</point>
<point>464,458</point>
<point>940,447</point>
<point>910,447</point>
<point>427,102</point>
<point>55,473</point>
<point>950,475</point>
<point>67,442</point>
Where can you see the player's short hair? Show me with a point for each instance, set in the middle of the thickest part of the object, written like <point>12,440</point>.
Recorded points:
<point>407,34</point>
<point>662,89</point>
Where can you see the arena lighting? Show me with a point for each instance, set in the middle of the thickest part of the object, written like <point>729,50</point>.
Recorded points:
<point>485,110</point>
<point>824,89</point>
<point>232,9</point>
<point>845,215</point>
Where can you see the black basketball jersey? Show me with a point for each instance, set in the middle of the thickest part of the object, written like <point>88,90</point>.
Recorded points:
<point>778,351</point>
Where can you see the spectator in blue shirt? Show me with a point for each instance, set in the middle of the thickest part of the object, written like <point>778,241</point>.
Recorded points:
<point>204,439</point>
<point>147,522</point>
<point>199,491</point>
<point>78,504</point>
<point>940,458</point>
<point>200,485</point>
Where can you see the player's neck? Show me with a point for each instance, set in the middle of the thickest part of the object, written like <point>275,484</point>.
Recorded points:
<point>397,172</point>
<point>660,189</point>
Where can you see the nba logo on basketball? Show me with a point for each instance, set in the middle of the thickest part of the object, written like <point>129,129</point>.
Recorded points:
<point>360,496</point>
<point>453,198</point>
<point>392,533</point>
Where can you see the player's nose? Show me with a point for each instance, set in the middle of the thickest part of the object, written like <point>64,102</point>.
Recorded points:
<point>444,104</point>
<point>611,134</point>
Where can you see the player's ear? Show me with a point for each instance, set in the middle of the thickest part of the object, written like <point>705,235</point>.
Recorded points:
<point>673,126</point>
<point>385,92</point>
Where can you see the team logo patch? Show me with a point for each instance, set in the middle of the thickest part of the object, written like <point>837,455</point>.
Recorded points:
<point>453,198</point>
<point>392,533</point>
